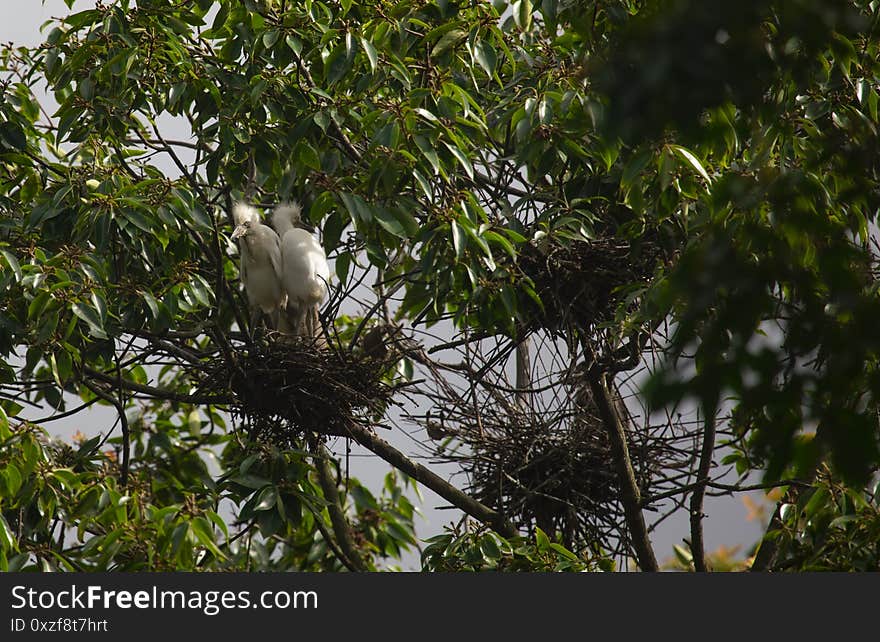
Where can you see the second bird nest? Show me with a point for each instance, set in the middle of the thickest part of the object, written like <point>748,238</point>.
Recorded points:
<point>550,467</point>
<point>582,283</point>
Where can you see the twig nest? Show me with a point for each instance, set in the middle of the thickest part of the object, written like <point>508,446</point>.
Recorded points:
<point>582,283</point>
<point>558,480</point>
<point>293,388</point>
<point>552,469</point>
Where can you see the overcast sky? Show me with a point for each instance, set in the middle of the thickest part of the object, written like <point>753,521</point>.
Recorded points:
<point>726,523</point>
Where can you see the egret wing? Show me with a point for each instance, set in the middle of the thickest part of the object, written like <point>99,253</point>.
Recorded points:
<point>242,264</point>
<point>275,255</point>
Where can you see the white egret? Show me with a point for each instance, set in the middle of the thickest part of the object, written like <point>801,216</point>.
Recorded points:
<point>304,270</point>
<point>260,270</point>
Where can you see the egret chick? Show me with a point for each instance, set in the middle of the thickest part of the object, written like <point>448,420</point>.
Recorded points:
<point>260,269</point>
<point>304,272</point>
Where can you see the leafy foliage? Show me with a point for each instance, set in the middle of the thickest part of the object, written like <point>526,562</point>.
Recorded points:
<point>583,174</point>
<point>831,528</point>
<point>488,551</point>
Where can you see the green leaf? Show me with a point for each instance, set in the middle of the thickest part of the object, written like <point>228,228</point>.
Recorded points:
<point>295,44</point>
<point>13,135</point>
<point>205,535</point>
<point>201,290</point>
<point>307,155</point>
<point>541,539</point>
<point>66,477</point>
<point>490,548</point>
<point>485,56</point>
<point>12,262</point>
<point>270,38</point>
<point>7,537</point>
<point>522,14</point>
<point>408,221</point>
<point>372,56</point>
<point>634,168</point>
<point>694,162</point>
<point>90,316</point>
<point>684,555</point>
<point>400,533</point>
<point>139,220</point>
<point>459,242</point>
<point>340,61</point>
<point>249,481</point>
<point>87,88</point>
<point>218,522</point>
<point>11,480</point>
<point>178,537</point>
<point>38,305</point>
<point>462,159</point>
<point>817,501</point>
<point>151,302</point>
<point>428,152</point>
<point>341,266</point>
<point>5,431</point>
<point>424,184</point>
<point>559,548</point>
<point>448,40</point>
<point>507,246</point>
<point>357,208</point>
<point>389,222</point>
<point>199,215</point>
<point>268,498</point>
<point>63,365</point>
<point>363,498</point>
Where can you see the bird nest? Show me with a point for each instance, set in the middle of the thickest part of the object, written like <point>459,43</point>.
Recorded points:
<point>291,389</point>
<point>583,283</point>
<point>554,470</point>
<point>560,481</point>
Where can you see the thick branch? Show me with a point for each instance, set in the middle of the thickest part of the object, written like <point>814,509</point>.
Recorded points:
<point>696,505</point>
<point>630,494</point>
<point>523,373</point>
<point>334,508</point>
<point>331,543</point>
<point>158,393</point>
<point>447,491</point>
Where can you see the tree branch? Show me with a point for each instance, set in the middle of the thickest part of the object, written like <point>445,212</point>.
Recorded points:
<point>123,420</point>
<point>334,508</point>
<point>447,491</point>
<point>727,488</point>
<point>696,504</point>
<point>523,372</point>
<point>630,494</point>
<point>157,393</point>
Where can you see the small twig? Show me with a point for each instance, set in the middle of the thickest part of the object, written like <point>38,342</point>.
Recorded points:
<point>62,415</point>
<point>157,393</point>
<point>728,488</point>
<point>120,409</point>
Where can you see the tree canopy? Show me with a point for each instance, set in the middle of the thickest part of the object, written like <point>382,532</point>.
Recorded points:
<point>553,227</point>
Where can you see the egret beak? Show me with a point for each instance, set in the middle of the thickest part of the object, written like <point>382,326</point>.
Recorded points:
<point>239,231</point>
